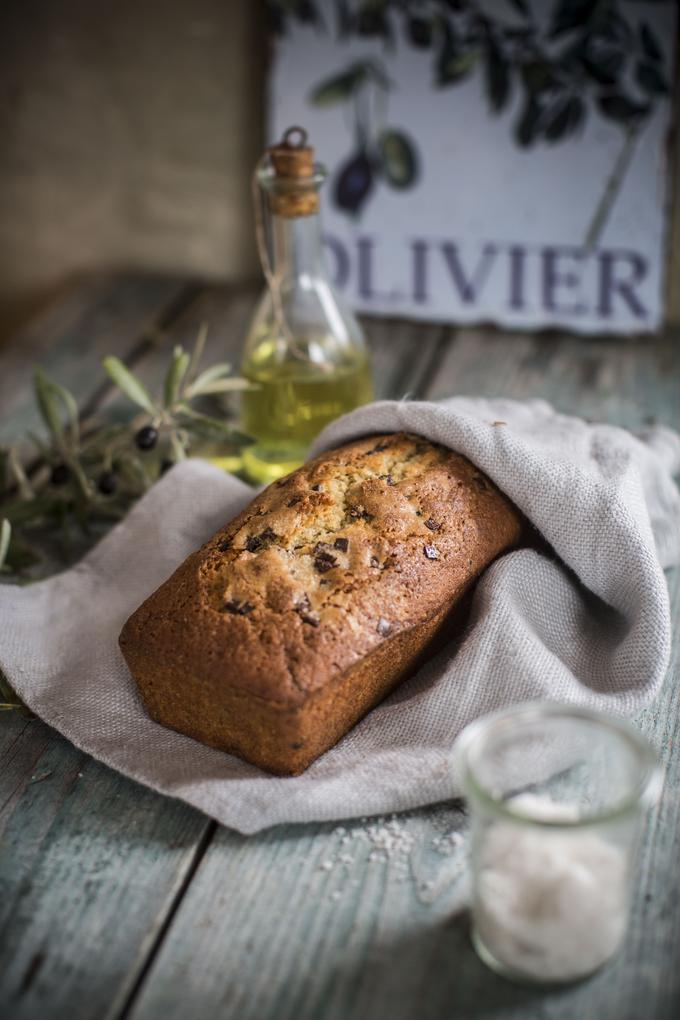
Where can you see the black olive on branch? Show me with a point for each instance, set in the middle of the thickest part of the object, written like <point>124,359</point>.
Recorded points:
<point>60,474</point>
<point>146,438</point>
<point>107,483</point>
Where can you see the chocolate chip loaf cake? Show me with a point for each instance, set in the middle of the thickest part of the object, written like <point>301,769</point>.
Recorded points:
<point>303,612</point>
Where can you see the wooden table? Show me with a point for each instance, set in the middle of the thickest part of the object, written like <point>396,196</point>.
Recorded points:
<point>119,903</point>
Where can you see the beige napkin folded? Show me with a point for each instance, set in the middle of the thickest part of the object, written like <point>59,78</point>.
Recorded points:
<point>591,627</point>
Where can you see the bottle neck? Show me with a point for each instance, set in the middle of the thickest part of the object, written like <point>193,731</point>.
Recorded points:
<point>296,250</point>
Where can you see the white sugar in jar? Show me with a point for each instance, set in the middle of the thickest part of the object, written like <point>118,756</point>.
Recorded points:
<point>556,796</point>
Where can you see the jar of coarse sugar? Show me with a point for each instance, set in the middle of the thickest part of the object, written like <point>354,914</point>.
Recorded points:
<point>557,795</point>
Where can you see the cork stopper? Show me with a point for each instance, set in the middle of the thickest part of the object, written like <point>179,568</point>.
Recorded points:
<point>293,191</point>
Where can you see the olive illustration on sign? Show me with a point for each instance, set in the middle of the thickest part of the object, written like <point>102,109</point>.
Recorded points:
<point>354,183</point>
<point>398,159</point>
<point>388,154</point>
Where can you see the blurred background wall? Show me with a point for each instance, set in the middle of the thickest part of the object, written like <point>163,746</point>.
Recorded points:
<point>128,131</point>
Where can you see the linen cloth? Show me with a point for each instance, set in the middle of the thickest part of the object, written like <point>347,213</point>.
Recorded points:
<point>589,624</point>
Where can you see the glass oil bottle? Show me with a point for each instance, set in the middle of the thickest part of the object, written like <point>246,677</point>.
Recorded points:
<point>305,353</point>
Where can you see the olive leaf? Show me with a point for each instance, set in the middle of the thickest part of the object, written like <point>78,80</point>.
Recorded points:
<point>47,405</point>
<point>128,383</point>
<point>454,65</point>
<point>609,24</point>
<point>197,387</point>
<point>649,44</point>
<point>618,107</point>
<point>83,488</point>
<point>9,699</point>
<point>603,66</point>
<point>49,396</point>
<point>224,386</point>
<point>564,118</point>
<point>18,556</point>
<point>175,375</point>
<point>68,400</point>
<point>5,536</point>
<point>651,79</point>
<point>339,87</point>
<point>538,76</point>
<point>208,427</point>
<point>197,350</point>
<point>24,511</point>
<point>133,471</point>
<point>18,474</point>
<point>101,438</point>
<point>497,75</point>
<point>571,14</point>
<point>177,446</point>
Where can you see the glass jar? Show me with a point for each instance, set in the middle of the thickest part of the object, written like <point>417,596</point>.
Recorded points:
<point>556,797</point>
<point>305,352</point>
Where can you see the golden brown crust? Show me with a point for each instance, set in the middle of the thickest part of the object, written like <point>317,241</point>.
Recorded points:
<point>314,581</point>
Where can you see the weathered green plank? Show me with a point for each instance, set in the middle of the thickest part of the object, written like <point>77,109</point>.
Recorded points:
<point>90,863</point>
<point>69,340</point>
<point>265,931</point>
<point>225,310</point>
<point>629,383</point>
<point>624,382</point>
<point>403,354</point>
<point>35,859</point>
<point>89,867</point>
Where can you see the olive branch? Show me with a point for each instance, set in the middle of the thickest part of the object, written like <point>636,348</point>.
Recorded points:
<point>82,477</point>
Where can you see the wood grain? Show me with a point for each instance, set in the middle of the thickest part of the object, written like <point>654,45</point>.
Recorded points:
<point>90,866</point>
<point>391,944</point>
<point>90,863</point>
<point>40,773</point>
<point>403,355</point>
<point>70,339</point>
<point>118,903</point>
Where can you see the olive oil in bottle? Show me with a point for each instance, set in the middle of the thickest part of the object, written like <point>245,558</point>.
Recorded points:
<point>305,353</point>
<point>290,404</point>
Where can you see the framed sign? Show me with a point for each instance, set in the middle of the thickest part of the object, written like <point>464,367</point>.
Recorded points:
<point>500,161</point>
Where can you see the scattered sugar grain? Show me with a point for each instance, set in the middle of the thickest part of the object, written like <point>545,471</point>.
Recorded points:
<point>387,840</point>
<point>448,842</point>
